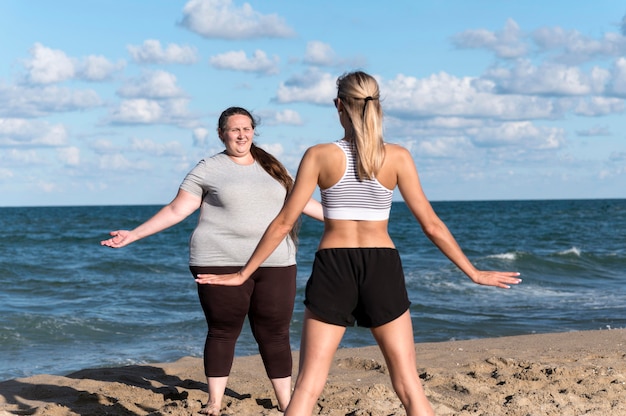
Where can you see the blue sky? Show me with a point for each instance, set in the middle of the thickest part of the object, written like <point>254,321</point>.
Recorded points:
<point>112,102</point>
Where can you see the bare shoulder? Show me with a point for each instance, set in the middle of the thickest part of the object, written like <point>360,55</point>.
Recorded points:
<point>395,148</point>
<point>323,151</point>
<point>396,153</point>
<point>322,147</point>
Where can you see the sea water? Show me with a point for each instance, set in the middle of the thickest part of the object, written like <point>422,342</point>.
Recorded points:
<point>67,303</point>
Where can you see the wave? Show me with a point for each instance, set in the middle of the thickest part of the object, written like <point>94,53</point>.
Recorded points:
<point>574,250</point>
<point>504,256</point>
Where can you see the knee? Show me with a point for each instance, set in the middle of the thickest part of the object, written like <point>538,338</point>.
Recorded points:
<point>271,336</point>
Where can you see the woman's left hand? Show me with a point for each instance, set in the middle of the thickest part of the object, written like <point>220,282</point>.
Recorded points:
<point>499,279</point>
<point>233,279</point>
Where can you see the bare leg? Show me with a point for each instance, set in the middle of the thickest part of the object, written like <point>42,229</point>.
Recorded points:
<point>282,389</point>
<point>395,340</point>
<point>317,349</point>
<point>217,386</point>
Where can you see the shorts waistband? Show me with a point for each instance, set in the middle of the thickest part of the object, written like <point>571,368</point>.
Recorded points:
<point>357,249</point>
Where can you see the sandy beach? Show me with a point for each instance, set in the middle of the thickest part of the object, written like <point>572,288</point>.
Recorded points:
<point>574,373</point>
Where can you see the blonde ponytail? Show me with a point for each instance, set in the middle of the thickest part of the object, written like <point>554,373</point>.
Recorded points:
<point>360,96</point>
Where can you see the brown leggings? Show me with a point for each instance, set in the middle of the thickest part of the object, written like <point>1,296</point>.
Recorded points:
<point>267,298</point>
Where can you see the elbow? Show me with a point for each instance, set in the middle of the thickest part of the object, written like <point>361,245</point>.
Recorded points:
<point>432,230</point>
<point>282,227</point>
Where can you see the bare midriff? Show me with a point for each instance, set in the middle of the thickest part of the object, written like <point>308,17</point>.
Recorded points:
<point>353,234</point>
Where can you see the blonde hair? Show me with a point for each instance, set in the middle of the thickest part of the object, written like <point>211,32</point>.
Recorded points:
<point>360,97</point>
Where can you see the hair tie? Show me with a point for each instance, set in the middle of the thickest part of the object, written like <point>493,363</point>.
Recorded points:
<point>366,99</point>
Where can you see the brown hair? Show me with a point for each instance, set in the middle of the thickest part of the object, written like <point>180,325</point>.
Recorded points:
<point>266,160</point>
<point>360,96</point>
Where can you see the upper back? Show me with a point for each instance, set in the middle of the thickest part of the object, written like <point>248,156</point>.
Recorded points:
<point>348,197</point>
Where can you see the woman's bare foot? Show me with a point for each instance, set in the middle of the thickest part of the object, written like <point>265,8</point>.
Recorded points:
<point>210,409</point>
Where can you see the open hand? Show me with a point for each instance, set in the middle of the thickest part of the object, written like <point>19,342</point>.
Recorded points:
<point>120,238</point>
<point>499,279</point>
<point>233,279</point>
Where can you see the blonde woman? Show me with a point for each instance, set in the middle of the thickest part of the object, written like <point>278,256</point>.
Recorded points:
<point>357,275</point>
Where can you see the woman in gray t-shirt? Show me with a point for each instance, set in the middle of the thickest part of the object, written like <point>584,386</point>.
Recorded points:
<point>239,192</point>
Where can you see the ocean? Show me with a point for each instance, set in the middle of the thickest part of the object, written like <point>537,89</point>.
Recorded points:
<point>67,303</point>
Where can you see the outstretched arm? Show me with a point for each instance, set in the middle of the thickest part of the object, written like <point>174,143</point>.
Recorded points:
<point>277,230</point>
<point>183,205</point>
<point>435,229</point>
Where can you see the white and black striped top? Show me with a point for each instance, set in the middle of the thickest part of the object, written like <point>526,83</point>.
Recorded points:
<point>354,199</point>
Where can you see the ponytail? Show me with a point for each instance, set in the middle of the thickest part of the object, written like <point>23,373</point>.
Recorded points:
<point>277,171</point>
<point>360,95</point>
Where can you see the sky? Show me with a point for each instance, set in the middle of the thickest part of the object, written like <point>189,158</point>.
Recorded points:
<point>113,102</point>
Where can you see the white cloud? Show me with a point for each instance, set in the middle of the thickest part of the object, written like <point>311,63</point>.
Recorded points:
<point>618,80</point>
<point>507,43</point>
<point>178,113</point>
<point>37,133</point>
<point>153,148</point>
<point>156,84</point>
<point>290,117</point>
<point>275,149</point>
<point>598,106</point>
<point>151,52</point>
<point>18,101</point>
<point>322,54</point>
<point>319,53</point>
<point>565,46</point>
<point>238,61</point>
<point>138,111</point>
<point>49,65</point>
<point>117,162</point>
<point>452,122</point>
<point>47,186</point>
<point>98,68</point>
<point>444,147</point>
<point>69,156</point>
<point>200,136</point>
<point>547,79</point>
<point>521,134</point>
<point>313,86</point>
<point>445,95</point>
<point>221,19</point>
<point>20,156</point>
<point>283,117</point>
<point>145,111</point>
<point>5,173</point>
<point>572,47</point>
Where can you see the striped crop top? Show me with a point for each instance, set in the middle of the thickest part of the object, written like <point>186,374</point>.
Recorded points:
<point>353,199</point>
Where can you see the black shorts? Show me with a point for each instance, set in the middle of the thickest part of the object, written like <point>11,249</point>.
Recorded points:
<point>365,285</point>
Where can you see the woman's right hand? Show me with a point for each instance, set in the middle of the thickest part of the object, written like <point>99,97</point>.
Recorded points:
<point>120,238</point>
<point>232,279</point>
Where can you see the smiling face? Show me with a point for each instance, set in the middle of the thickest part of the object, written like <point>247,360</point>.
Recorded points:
<point>237,136</point>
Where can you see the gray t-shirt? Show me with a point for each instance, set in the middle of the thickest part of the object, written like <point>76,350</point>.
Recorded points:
<point>238,203</point>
